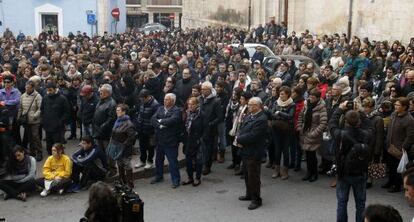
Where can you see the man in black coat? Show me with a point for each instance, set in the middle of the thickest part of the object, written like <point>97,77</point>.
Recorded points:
<point>251,141</point>
<point>211,107</point>
<point>55,112</point>
<point>148,107</point>
<point>87,109</point>
<point>184,86</point>
<point>103,121</point>
<point>167,124</point>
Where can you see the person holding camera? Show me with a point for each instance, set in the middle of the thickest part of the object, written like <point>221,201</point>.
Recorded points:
<point>351,140</point>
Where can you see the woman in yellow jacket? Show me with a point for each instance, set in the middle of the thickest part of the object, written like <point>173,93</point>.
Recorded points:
<point>57,171</point>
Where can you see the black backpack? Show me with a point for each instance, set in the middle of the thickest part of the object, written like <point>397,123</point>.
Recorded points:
<point>355,160</point>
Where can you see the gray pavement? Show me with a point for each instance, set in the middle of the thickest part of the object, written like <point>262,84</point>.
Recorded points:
<point>216,199</point>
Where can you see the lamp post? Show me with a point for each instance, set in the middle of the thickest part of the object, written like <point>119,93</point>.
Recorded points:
<point>350,19</point>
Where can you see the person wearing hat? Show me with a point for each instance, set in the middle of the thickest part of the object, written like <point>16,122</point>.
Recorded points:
<point>87,109</point>
<point>148,107</point>
<point>55,111</point>
<point>11,98</point>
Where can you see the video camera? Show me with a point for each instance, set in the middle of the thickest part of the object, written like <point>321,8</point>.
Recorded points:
<point>131,205</point>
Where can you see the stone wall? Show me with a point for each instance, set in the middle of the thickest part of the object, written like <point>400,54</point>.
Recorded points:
<point>376,19</point>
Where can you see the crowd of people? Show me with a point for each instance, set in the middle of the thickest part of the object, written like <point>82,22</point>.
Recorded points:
<point>191,87</point>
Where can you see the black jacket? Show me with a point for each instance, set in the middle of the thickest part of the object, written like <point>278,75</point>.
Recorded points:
<point>124,133</point>
<point>193,133</point>
<point>94,155</point>
<point>252,135</point>
<point>104,118</point>
<point>183,90</point>
<point>344,136</point>
<point>55,112</point>
<point>143,120</point>
<point>87,109</point>
<point>167,126</point>
<point>211,107</point>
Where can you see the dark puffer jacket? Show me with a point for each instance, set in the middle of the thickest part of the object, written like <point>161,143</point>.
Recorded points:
<point>124,132</point>
<point>104,118</point>
<point>211,107</point>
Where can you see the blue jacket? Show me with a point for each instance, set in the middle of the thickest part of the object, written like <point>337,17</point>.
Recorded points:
<point>167,126</point>
<point>12,100</point>
<point>93,155</point>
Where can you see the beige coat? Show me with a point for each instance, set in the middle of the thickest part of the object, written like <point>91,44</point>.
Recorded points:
<point>34,112</point>
<point>312,139</point>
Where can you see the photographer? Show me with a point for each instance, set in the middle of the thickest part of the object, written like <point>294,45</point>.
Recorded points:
<point>351,140</point>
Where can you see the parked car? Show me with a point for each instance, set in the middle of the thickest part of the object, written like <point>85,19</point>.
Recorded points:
<point>270,62</point>
<point>251,48</point>
<point>152,27</point>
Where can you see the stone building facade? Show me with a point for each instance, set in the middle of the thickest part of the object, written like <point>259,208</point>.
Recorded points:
<point>375,19</point>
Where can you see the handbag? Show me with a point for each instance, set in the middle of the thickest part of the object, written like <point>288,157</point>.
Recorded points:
<point>115,149</point>
<point>403,162</point>
<point>24,118</point>
<point>394,151</point>
<point>377,170</point>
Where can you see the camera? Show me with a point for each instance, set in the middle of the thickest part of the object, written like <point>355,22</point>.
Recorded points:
<point>131,205</point>
<point>350,105</point>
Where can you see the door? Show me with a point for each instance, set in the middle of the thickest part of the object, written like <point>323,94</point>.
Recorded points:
<point>50,23</point>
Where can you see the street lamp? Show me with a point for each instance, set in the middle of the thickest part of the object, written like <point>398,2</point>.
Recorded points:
<point>250,13</point>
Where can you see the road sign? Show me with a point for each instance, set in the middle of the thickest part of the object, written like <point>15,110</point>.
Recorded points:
<point>115,13</point>
<point>172,16</point>
<point>91,19</point>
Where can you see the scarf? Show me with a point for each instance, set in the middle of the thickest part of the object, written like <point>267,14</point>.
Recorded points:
<point>191,116</point>
<point>285,103</point>
<point>120,120</point>
<point>22,167</point>
<point>308,115</point>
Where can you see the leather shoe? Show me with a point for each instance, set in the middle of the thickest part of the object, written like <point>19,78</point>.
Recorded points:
<point>254,205</point>
<point>175,186</point>
<point>394,189</point>
<point>245,198</point>
<point>156,180</point>
<point>313,178</point>
<point>206,171</point>
<point>307,177</point>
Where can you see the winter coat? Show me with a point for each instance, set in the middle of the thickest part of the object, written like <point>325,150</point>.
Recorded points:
<point>33,115</point>
<point>168,126</point>
<point>193,133</point>
<point>211,107</point>
<point>376,145</point>
<point>55,111</point>
<point>252,135</point>
<point>145,112</point>
<point>312,139</point>
<point>400,132</point>
<point>87,109</point>
<point>11,99</point>
<point>94,156</point>
<point>104,118</point>
<point>183,90</point>
<point>124,133</point>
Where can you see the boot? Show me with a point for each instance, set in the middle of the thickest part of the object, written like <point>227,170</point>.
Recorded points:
<point>284,173</point>
<point>220,157</point>
<point>129,178</point>
<point>307,177</point>
<point>276,173</point>
<point>333,183</point>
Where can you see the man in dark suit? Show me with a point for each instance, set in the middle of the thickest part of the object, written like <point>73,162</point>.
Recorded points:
<point>251,141</point>
<point>167,124</point>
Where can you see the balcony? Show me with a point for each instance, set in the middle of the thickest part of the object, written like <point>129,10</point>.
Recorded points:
<point>165,2</point>
<point>133,2</point>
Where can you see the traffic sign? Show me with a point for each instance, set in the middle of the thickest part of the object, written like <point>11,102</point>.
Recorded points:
<point>91,19</point>
<point>115,13</point>
<point>172,16</point>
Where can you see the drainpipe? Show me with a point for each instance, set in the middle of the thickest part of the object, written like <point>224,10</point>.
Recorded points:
<point>350,19</point>
<point>250,14</point>
<point>286,12</point>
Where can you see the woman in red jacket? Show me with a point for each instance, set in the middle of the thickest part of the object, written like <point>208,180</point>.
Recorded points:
<point>296,151</point>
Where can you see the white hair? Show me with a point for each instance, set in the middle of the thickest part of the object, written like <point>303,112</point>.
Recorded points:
<point>256,100</point>
<point>207,84</point>
<point>106,87</point>
<point>277,80</point>
<point>171,95</point>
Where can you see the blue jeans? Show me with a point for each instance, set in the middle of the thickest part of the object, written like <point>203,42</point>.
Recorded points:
<point>87,129</point>
<point>343,186</point>
<point>171,151</point>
